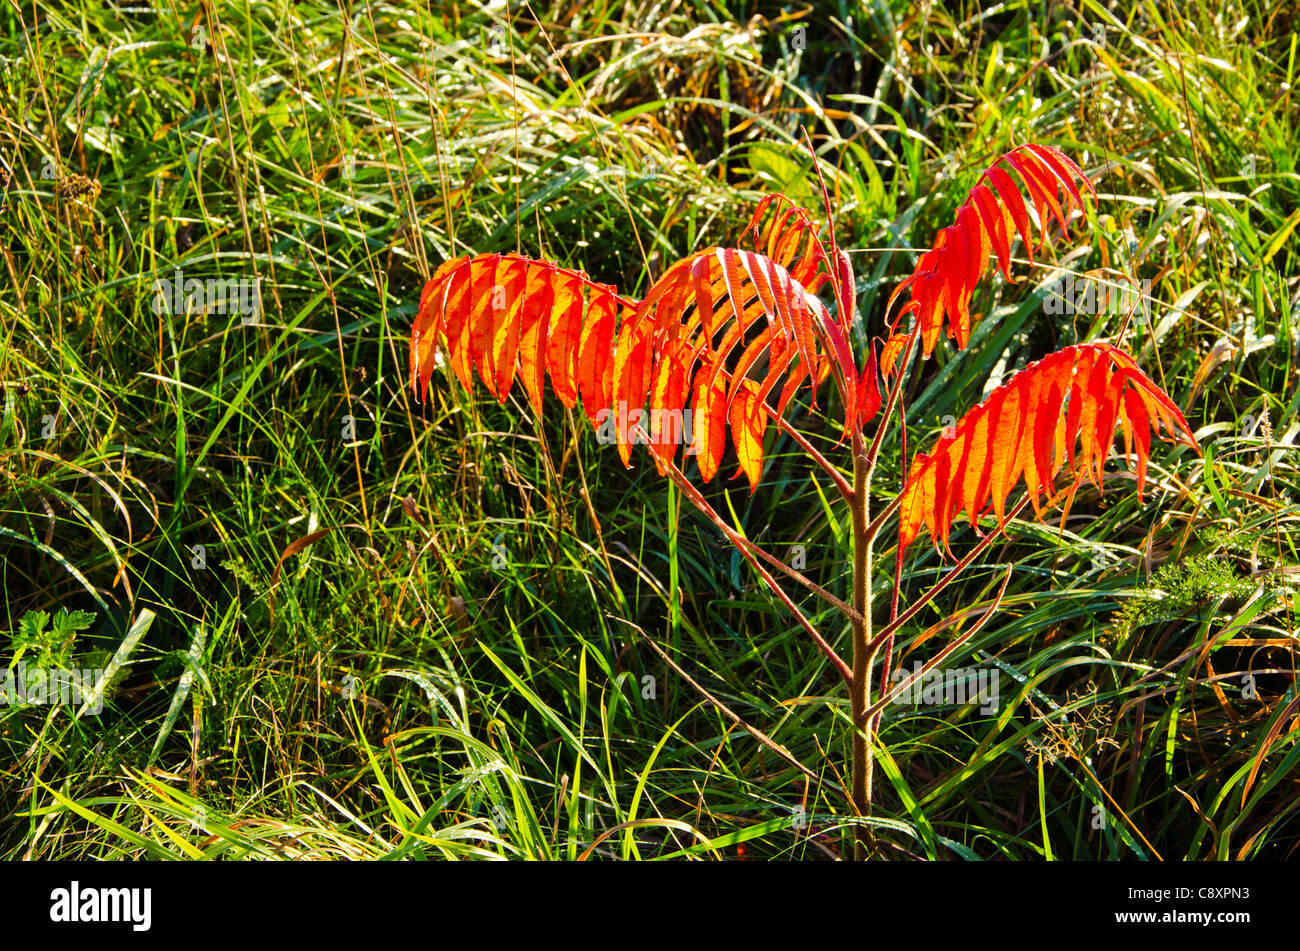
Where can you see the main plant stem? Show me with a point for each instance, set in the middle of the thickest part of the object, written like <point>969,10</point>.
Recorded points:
<point>860,688</point>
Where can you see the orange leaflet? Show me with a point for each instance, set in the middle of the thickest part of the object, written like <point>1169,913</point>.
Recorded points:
<point>512,280</point>
<point>562,340</point>
<point>594,347</point>
<point>429,319</point>
<point>667,398</point>
<point>709,420</point>
<point>535,321</point>
<point>748,424</point>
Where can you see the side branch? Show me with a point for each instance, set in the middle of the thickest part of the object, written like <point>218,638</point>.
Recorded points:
<point>895,392</point>
<point>878,707</point>
<point>841,483</point>
<point>947,579</point>
<point>744,546</point>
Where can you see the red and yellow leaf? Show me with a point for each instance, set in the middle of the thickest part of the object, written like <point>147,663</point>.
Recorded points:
<point>943,282</point>
<point>1019,432</point>
<point>505,334</point>
<point>595,346</point>
<point>788,235</point>
<point>868,389</point>
<point>710,321</point>
<point>562,339</point>
<point>534,323</point>
<point>667,398</point>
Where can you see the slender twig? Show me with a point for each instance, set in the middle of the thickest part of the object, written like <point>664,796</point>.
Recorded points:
<point>890,508</point>
<point>757,734</point>
<point>902,454</point>
<point>741,541</point>
<point>846,609</point>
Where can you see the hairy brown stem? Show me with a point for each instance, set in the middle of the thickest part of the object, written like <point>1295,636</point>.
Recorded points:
<point>865,647</point>
<point>860,686</point>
